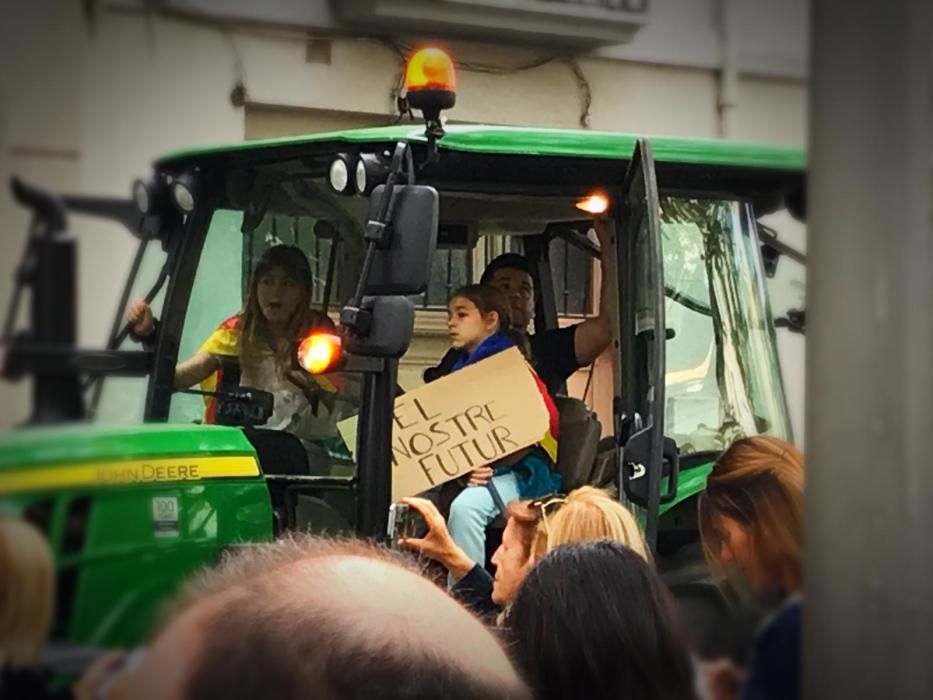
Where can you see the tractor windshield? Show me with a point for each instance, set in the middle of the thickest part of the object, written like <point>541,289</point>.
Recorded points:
<point>723,378</point>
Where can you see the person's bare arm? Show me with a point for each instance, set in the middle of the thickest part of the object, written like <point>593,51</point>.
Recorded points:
<point>594,335</point>
<point>195,369</point>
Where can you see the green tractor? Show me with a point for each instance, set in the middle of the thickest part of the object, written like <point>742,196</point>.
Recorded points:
<point>135,490</point>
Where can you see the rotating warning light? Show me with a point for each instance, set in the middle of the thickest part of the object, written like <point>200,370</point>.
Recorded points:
<point>431,81</point>
<point>320,353</point>
<point>596,203</point>
<point>430,68</point>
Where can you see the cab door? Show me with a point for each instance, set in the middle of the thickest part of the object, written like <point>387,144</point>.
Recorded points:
<point>647,458</point>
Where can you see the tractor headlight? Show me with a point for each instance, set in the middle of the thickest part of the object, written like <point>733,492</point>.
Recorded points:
<point>371,171</point>
<point>184,193</point>
<point>339,174</point>
<point>144,195</point>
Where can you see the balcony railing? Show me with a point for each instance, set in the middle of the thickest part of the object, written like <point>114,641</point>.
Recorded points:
<point>622,5</point>
<point>552,23</point>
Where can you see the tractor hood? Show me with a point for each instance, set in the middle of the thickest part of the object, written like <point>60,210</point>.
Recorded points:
<point>41,459</point>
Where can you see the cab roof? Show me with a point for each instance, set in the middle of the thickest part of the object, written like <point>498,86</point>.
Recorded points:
<point>504,140</point>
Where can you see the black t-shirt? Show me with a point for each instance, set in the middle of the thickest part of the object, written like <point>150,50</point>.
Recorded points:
<point>552,355</point>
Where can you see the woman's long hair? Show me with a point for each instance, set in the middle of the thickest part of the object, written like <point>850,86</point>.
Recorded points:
<point>27,592</point>
<point>489,299</point>
<point>593,620</point>
<point>255,335</point>
<point>758,482</point>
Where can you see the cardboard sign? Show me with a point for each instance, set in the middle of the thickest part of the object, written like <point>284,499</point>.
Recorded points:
<point>468,419</point>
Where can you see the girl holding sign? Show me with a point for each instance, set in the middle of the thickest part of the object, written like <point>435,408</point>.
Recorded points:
<point>479,326</point>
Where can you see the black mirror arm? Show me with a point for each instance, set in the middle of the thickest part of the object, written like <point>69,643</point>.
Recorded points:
<point>377,235</point>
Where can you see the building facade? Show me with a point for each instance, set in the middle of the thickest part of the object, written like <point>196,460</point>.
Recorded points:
<point>91,93</point>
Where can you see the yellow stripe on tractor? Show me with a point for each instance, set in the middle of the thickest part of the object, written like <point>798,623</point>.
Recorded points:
<point>175,469</point>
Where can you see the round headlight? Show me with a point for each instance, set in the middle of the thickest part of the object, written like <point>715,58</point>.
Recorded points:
<point>141,196</point>
<point>339,175</point>
<point>183,197</point>
<point>360,176</point>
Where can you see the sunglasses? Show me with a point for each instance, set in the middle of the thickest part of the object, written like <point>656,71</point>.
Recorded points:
<point>544,505</point>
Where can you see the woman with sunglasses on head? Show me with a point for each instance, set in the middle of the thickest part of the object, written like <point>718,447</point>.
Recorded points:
<point>533,528</point>
<point>751,525</point>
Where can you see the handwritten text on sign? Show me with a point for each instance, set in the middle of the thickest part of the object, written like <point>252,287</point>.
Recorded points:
<point>466,420</point>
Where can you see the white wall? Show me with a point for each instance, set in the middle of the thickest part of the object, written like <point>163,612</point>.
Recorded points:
<point>39,133</point>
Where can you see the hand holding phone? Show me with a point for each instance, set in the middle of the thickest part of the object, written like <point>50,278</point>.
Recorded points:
<point>405,523</point>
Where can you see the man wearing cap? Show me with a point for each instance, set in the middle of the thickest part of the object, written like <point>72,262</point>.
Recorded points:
<point>558,352</point>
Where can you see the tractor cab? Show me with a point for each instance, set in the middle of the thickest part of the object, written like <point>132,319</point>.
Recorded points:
<point>391,220</point>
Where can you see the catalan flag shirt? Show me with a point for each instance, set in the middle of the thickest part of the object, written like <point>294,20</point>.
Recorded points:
<point>295,409</point>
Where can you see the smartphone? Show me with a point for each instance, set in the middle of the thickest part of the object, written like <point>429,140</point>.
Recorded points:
<point>404,522</point>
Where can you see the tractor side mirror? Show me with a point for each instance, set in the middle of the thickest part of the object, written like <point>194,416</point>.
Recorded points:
<point>402,262</point>
<point>391,325</point>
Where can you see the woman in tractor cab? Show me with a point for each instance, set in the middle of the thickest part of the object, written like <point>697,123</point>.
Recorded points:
<point>751,524</point>
<point>261,340</point>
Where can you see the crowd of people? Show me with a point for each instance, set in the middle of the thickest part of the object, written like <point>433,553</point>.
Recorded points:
<point>576,607</point>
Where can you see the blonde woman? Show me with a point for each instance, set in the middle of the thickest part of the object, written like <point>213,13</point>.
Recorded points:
<point>27,592</point>
<point>585,515</point>
<point>533,529</point>
<point>751,522</point>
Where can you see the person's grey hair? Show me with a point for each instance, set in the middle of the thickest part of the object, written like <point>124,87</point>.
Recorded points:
<point>244,565</point>
<point>279,626</point>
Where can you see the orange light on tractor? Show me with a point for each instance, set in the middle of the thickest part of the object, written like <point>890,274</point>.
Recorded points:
<point>320,353</point>
<point>430,68</point>
<point>596,203</point>
<point>430,84</point>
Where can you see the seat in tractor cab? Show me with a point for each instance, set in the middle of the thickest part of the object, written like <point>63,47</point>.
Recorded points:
<point>577,447</point>
<point>577,462</point>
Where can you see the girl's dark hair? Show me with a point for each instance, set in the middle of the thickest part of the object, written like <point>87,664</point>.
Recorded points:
<point>253,330</point>
<point>488,299</point>
<point>594,620</point>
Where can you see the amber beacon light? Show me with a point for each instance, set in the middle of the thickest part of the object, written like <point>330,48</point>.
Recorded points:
<point>431,84</point>
<point>320,353</point>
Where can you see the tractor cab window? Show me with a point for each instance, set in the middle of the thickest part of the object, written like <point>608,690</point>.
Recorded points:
<point>115,400</point>
<point>722,377</point>
<point>259,215</point>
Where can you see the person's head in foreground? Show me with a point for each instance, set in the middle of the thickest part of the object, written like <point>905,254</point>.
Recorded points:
<point>593,620</point>
<point>751,513</point>
<point>538,526</point>
<point>311,618</point>
<point>27,592</point>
